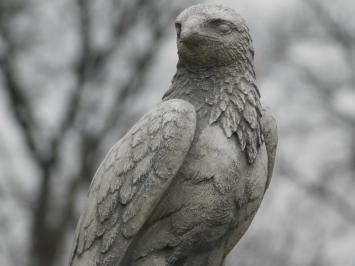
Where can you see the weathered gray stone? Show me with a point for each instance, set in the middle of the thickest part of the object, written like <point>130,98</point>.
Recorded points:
<point>183,185</point>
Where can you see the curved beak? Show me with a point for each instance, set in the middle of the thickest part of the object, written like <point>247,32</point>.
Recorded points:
<point>187,30</point>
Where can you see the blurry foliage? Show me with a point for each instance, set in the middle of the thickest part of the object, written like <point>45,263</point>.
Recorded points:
<point>70,72</point>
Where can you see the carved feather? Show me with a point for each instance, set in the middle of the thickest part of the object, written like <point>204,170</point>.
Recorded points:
<point>132,179</point>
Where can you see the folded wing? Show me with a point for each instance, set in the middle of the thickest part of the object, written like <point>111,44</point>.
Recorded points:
<point>131,181</point>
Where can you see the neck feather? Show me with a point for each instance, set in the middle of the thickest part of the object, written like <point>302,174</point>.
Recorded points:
<point>228,95</point>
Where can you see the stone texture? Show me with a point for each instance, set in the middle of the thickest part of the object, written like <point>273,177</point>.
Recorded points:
<point>183,185</point>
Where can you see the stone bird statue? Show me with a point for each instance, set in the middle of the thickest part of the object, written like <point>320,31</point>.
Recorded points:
<point>183,185</point>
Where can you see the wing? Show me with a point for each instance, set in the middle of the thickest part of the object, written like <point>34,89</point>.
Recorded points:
<point>270,137</point>
<point>131,181</point>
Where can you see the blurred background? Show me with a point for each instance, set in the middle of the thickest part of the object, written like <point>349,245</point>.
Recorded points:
<point>76,74</point>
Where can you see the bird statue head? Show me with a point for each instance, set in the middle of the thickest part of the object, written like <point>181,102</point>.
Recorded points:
<point>212,35</point>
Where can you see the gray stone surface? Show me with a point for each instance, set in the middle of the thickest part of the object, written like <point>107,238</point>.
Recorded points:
<point>183,185</point>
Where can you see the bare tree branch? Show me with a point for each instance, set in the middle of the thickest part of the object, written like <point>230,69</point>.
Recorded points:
<point>141,67</point>
<point>82,71</point>
<point>21,108</point>
<point>88,67</point>
<point>126,19</point>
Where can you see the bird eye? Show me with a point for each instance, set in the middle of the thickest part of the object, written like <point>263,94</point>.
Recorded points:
<point>178,29</point>
<point>224,28</point>
<point>222,25</point>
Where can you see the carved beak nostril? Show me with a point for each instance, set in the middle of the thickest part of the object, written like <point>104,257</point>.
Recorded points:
<point>178,29</point>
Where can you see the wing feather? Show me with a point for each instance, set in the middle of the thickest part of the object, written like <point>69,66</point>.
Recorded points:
<point>130,182</point>
<point>270,137</point>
